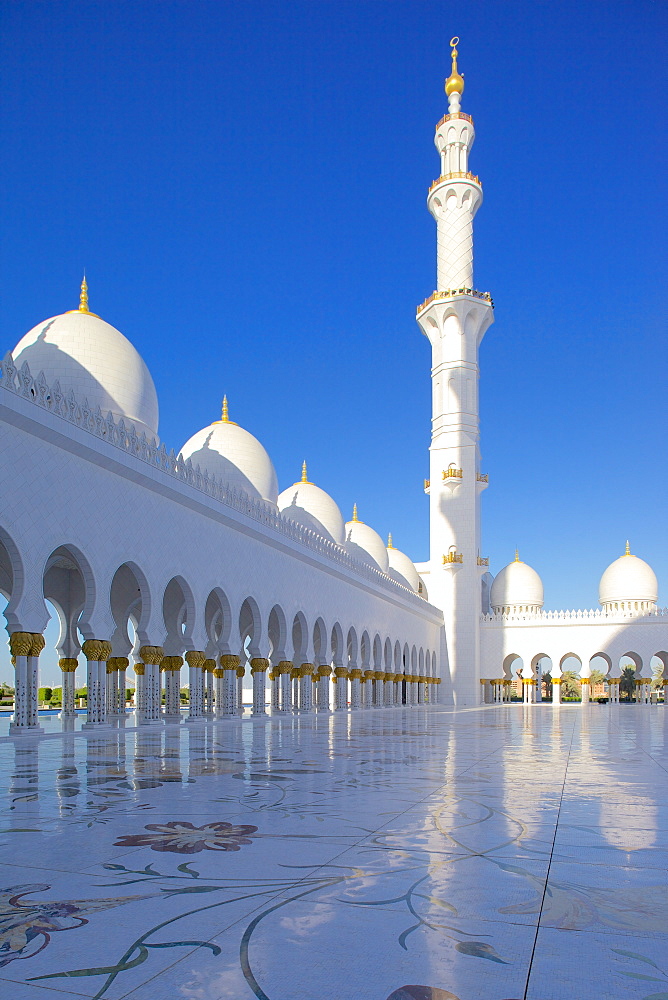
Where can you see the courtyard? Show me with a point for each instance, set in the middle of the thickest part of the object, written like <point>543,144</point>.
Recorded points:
<point>498,852</point>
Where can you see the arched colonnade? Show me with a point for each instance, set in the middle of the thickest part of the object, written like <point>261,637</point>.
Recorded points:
<point>309,663</point>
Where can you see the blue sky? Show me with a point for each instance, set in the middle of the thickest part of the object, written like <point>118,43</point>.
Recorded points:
<point>245,185</point>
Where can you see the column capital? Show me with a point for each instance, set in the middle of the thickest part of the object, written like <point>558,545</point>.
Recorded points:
<point>355,674</point>
<point>324,670</point>
<point>340,672</point>
<point>173,663</point>
<point>20,643</point>
<point>285,667</point>
<point>229,661</point>
<point>241,671</point>
<point>38,644</point>
<point>307,669</point>
<point>259,665</point>
<point>151,654</point>
<point>209,665</point>
<point>68,664</point>
<point>139,669</point>
<point>196,658</point>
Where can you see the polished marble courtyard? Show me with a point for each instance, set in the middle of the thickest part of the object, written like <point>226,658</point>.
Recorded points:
<point>416,854</point>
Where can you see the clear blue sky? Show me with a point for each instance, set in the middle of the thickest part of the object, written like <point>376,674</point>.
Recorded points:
<point>245,184</point>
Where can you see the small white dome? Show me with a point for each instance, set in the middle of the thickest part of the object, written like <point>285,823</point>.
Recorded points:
<point>401,568</point>
<point>365,544</point>
<point>516,588</point>
<point>234,456</point>
<point>97,362</point>
<point>307,504</point>
<point>629,583</point>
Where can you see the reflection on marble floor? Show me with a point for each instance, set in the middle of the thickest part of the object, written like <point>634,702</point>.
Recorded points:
<point>501,853</point>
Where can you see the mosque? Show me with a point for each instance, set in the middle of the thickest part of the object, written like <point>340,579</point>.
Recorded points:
<point>219,574</point>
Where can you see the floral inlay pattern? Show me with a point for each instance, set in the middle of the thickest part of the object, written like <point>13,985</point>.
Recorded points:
<point>181,837</point>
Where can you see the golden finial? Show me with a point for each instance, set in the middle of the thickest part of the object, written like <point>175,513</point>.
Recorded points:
<point>355,517</point>
<point>517,555</point>
<point>225,415</point>
<point>628,548</point>
<point>304,472</point>
<point>455,83</point>
<point>389,541</point>
<point>83,297</point>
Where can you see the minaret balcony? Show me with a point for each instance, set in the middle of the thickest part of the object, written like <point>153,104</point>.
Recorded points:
<point>483,561</point>
<point>457,175</point>
<point>482,481</point>
<point>453,560</point>
<point>427,486</point>
<point>453,474</point>
<point>450,293</point>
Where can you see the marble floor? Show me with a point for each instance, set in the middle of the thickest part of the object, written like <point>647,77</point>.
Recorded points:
<point>496,853</point>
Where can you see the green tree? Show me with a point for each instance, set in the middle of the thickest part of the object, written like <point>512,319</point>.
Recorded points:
<point>627,683</point>
<point>44,694</point>
<point>596,677</point>
<point>570,684</point>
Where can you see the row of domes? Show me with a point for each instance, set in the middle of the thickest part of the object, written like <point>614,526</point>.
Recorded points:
<point>92,358</point>
<point>628,583</point>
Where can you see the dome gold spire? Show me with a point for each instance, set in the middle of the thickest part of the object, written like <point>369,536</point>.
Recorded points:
<point>83,297</point>
<point>225,415</point>
<point>628,548</point>
<point>389,541</point>
<point>304,472</point>
<point>517,555</point>
<point>455,83</point>
<point>355,517</point>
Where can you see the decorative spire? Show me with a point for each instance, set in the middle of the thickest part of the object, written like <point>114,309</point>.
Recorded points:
<point>455,83</point>
<point>83,297</point>
<point>517,555</point>
<point>225,418</point>
<point>628,548</point>
<point>389,541</point>
<point>304,472</point>
<point>355,517</point>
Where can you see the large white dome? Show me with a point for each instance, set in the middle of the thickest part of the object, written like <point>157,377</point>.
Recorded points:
<point>307,504</point>
<point>628,584</point>
<point>365,544</point>
<point>97,362</point>
<point>516,589</point>
<point>234,456</point>
<point>401,568</point>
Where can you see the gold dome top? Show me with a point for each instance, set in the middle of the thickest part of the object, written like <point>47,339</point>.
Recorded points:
<point>455,83</point>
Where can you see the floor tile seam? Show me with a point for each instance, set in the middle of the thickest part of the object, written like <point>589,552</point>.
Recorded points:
<point>549,865</point>
<point>54,990</point>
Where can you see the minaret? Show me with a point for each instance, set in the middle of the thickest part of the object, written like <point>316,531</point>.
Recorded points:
<point>454,319</point>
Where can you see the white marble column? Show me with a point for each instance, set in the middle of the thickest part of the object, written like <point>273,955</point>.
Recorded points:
<point>324,670</point>
<point>285,668</point>
<point>25,648</point>
<point>241,673</point>
<point>229,662</point>
<point>152,694</point>
<point>259,667</point>
<point>355,675</point>
<point>196,658</point>
<point>68,666</point>
<point>97,652</point>
<point>340,689</point>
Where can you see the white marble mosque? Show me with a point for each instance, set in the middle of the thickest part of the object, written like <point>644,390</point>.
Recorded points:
<point>218,576</point>
<point>380,823</point>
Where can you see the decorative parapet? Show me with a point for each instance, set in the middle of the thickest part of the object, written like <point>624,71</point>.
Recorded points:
<point>449,293</point>
<point>482,477</point>
<point>452,473</point>
<point>452,557</point>
<point>427,485</point>
<point>571,617</point>
<point>453,176</point>
<point>20,382</point>
<point>483,561</point>
<point>457,114</point>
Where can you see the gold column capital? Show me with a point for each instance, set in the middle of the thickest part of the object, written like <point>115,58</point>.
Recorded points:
<point>209,665</point>
<point>152,655</point>
<point>195,658</point>
<point>285,667</point>
<point>229,661</point>
<point>38,644</point>
<point>241,671</point>
<point>139,669</point>
<point>173,663</point>
<point>324,670</point>
<point>340,672</point>
<point>20,643</point>
<point>258,665</point>
<point>307,669</point>
<point>355,674</point>
<point>68,664</point>
<point>91,649</point>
